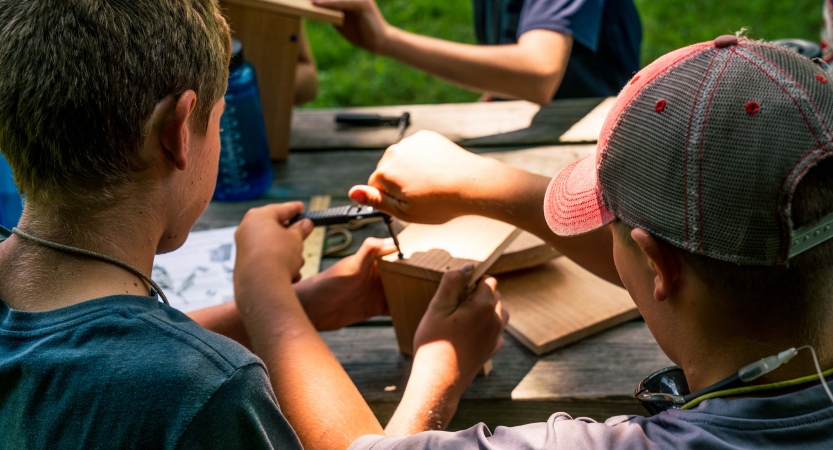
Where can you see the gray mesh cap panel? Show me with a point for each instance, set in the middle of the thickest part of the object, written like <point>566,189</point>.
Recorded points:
<point>707,156</point>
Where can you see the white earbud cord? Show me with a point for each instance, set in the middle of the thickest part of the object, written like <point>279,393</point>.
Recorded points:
<point>818,369</point>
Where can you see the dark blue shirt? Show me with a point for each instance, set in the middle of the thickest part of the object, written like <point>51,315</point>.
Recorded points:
<point>607,35</point>
<point>128,372</point>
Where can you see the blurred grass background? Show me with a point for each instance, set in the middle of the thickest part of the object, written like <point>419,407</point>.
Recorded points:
<point>354,77</point>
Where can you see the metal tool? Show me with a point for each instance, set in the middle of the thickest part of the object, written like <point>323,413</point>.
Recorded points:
<point>341,215</point>
<point>376,121</point>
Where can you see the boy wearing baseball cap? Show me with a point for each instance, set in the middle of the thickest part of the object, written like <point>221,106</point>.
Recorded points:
<point>710,198</point>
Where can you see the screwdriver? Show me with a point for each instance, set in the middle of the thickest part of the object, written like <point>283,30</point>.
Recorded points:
<point>342,215</point>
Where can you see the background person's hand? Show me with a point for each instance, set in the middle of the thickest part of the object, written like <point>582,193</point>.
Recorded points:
<point>266,248</point>
<point>348,292</point>
<point>460,332</point>
<point>364,26</point>
<point>425,178</point>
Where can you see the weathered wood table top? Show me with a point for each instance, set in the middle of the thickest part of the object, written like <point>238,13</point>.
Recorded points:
<point>593,378</point>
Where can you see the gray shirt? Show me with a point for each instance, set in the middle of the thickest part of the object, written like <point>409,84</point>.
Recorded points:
<point>802,419</point>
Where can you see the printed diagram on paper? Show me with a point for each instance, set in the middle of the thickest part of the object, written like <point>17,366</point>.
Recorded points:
<point>198,274</point>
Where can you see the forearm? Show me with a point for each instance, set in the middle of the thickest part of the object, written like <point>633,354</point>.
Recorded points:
<point>515,196</point>
<point>316,395</point>
<point>513,71</point>
<point>431,396</point>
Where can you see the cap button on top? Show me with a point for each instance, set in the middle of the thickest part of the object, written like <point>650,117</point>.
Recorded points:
<point>725,41</point>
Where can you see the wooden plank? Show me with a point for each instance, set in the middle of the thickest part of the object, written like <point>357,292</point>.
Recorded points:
<point>294,8</point>
<point>314,244</point>
<point>430,251</point>
<point>560,303</point>
<point>594,377</point>
<point>589,128</point>
<point>469,124</point>
<point>608,365</point>
<point>270,44</point>
<point>525,252</point>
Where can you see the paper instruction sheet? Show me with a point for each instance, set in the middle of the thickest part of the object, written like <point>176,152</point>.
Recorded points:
<point>198,274</point>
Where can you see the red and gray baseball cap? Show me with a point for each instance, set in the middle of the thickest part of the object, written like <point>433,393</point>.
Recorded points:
<point>704,149</point>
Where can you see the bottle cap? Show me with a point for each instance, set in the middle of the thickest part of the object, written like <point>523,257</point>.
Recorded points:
<point>236,55</point>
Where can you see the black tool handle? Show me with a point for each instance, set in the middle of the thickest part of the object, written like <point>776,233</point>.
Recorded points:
<point>338,215</point>
<point>367,120</point>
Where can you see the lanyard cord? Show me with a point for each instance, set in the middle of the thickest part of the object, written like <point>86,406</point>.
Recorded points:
<point>767,387</point>
<point>91,254</point>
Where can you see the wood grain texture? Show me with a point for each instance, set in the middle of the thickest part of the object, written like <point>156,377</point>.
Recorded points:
<point>486,124</point>
<point>294,8</point>
<point>270,44</point>
<point>560,303</point>
<point>589,128</point>
<point>594,377</point>
<point>430,251</point>
<point>526,251</point>
<point>314,244</point>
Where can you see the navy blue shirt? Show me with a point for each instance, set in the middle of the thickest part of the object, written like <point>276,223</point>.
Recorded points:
<point>129,372</point>
<point>607,35</point>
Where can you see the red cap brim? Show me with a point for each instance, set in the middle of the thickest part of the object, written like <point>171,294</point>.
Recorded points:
<point>574,205</point>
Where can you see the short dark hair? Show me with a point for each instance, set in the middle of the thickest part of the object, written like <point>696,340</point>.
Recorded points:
<point>794,293</point>
<point>79,80</point>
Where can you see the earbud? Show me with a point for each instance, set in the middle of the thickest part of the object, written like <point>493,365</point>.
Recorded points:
<point>760,368</point>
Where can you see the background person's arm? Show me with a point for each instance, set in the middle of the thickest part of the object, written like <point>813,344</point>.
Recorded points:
<point>531,70</point>
<point>426,178</point>
<point>306,74</point>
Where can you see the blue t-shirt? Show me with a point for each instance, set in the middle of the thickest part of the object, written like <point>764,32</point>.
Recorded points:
<point>607,35</point>
<point>129,372</point>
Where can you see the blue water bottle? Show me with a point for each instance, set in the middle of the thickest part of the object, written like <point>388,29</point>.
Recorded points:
<point>11,205</point>
<point>245,163</point>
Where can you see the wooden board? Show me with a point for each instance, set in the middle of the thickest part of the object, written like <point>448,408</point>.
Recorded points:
<point>294,8</point>
<point>468,124</point>
<point>525,252</point>
<point>560,303</point>
<point>270,44</point>
<point>589,128</point>
<point>314,244</point>
<point>430,251</point>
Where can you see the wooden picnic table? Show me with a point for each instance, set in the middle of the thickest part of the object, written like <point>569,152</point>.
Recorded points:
<point>593,378</point>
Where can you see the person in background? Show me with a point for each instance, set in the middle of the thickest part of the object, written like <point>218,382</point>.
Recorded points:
<point>306,74</point>
<point>534,50</point>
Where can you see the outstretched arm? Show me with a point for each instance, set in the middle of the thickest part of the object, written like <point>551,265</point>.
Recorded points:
<point>316,395</point>
<point>531,70</point>
<point>428,179</point>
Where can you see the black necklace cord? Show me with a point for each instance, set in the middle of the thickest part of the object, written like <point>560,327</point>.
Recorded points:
<point>91,254</point>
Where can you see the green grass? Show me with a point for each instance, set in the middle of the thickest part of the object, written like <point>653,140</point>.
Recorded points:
<point>354,77</point>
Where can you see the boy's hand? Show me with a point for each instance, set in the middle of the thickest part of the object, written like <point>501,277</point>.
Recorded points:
<point>461,331</point>
<point>457,335</point>
<point>348,292</point>
<point>364,26</point>
<point>268,250</point>
<point>425,178</point>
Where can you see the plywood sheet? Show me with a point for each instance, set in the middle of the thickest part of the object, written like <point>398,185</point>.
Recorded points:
<point>294,8</point>
<point>560,303</point>
<point>468,124</point>
<point>525,252</point>
<point>589,128</point>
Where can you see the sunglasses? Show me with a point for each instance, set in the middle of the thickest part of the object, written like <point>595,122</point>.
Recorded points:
<point>668,389</point>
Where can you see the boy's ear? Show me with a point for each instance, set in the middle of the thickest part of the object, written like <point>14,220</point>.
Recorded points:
<point>176,134</point>
<point>662,260</point>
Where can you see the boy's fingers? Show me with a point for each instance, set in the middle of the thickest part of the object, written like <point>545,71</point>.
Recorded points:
<point>282,212</point>
<point>373,247</point>
<point>451,287</point>
<point>370,196</point>
<point>303,228</point>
